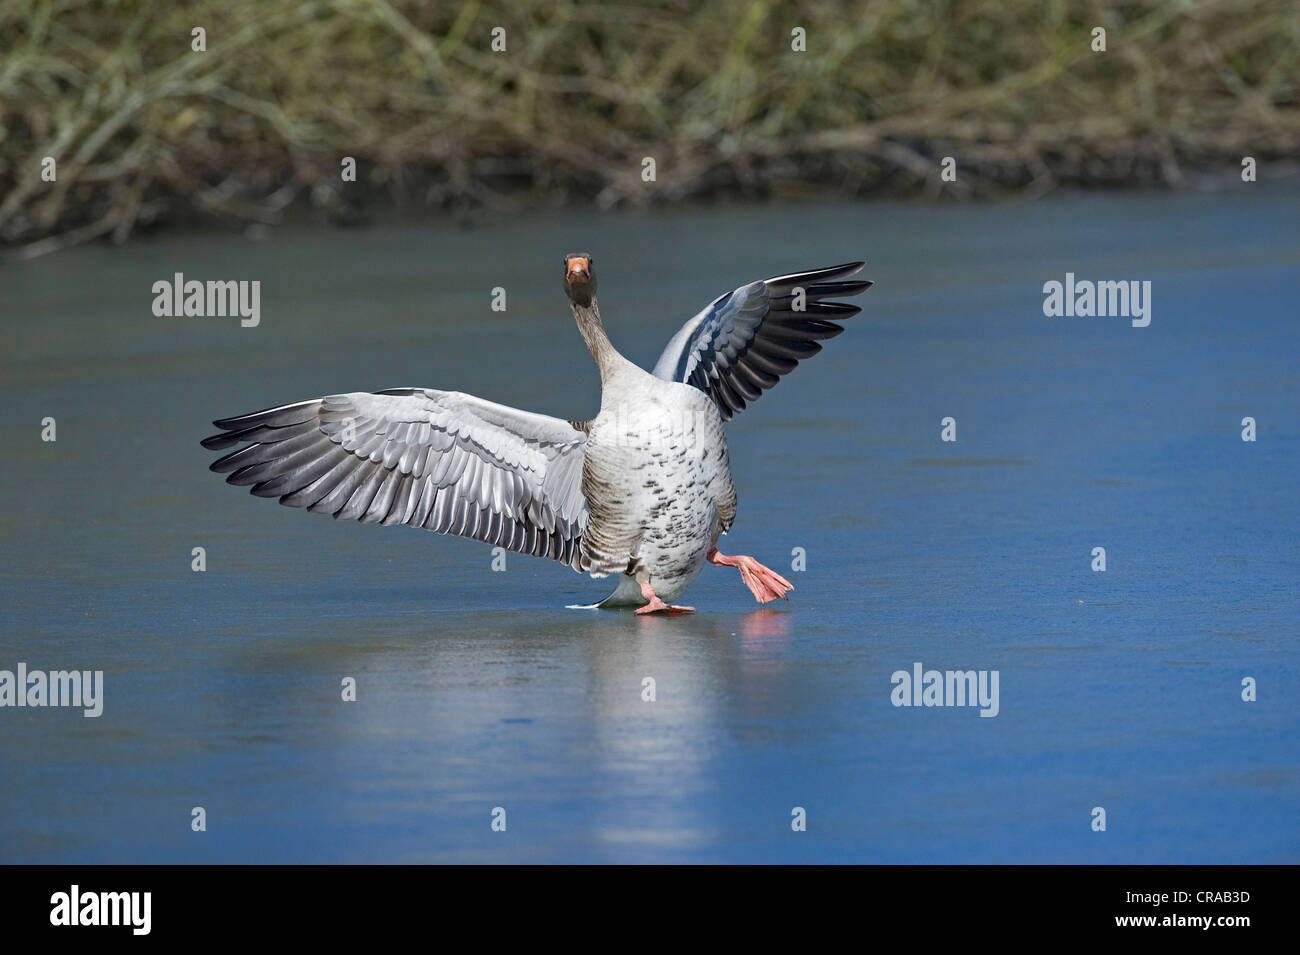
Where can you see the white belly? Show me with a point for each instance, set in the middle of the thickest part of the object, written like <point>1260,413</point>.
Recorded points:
<point>658,487</point>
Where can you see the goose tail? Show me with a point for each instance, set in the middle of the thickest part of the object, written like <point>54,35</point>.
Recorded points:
<point>626,594</point>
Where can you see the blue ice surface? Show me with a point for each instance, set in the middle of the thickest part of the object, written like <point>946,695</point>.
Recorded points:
<point>477,690</point>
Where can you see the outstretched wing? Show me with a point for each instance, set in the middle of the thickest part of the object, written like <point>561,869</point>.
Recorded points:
<point>745,341</point>
<point>443,460</point>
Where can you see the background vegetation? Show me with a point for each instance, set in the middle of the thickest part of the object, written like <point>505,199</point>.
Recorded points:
<point>144,130</point>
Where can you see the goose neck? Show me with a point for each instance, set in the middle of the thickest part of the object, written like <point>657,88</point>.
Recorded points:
<point>593,333</point>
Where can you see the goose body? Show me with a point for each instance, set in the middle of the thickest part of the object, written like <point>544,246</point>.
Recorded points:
<point>657,483</point>
<point>642,491</point>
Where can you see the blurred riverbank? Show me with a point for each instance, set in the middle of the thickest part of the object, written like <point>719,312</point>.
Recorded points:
<point>475,109</point>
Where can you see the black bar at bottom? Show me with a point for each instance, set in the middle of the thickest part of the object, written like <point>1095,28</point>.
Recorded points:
<point>333,904</point>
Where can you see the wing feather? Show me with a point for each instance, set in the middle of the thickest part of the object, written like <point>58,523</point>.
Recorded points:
<point>442,460</point>
<point>746,340</point>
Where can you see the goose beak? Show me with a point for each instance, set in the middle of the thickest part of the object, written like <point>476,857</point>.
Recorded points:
<point>578,271</point>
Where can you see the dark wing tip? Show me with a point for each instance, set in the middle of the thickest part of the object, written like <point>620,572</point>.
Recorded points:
<point>278,416</point>
<point>847,269</point>
<point>219,442</point>
<point>833,275</point>
<point>838,288</point>
<point>238,429</point>
<point>841,271</point>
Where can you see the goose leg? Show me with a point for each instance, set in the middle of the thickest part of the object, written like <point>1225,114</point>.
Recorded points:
<point>763,582</point>
<point>655,604</point>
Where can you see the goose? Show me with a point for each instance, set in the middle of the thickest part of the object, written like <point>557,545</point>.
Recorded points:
<point>643,490</point>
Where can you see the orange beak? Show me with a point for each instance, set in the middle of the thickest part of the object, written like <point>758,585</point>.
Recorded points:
<point>579,270</point>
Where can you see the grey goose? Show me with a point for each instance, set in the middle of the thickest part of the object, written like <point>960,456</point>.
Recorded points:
<point>641,491</point>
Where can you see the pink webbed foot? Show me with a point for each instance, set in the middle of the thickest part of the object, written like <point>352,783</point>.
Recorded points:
<point>763,582</point>
<point>656,605</point>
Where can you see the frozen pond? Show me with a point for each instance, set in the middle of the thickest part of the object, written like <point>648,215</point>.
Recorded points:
<point>476,689</point>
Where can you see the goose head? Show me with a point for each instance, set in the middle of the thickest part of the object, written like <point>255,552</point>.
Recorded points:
<point>580,278</point>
